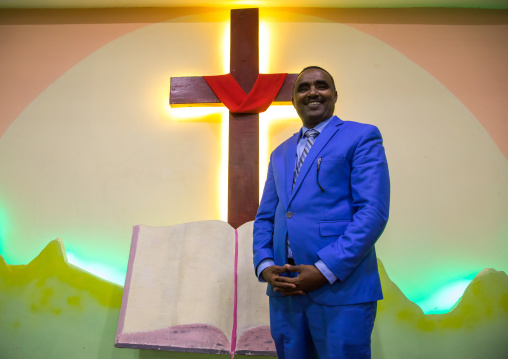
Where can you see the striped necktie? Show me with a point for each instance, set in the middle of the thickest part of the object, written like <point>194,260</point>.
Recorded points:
<point>311,137</point>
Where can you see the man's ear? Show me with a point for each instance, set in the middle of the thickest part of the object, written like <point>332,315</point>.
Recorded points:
<point>293,101</point>
<point>336,96</point>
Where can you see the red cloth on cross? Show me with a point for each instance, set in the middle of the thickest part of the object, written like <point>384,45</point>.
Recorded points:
<point>229,92</point>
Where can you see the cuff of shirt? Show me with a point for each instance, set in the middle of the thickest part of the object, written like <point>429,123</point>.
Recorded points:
<point>325,271</point>
<point>265,263</point>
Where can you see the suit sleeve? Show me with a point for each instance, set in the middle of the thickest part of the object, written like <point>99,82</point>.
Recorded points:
<point>370,192</point>
<point>264,222</point>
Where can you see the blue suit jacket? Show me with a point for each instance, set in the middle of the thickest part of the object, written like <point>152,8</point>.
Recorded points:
<point>339,225</point>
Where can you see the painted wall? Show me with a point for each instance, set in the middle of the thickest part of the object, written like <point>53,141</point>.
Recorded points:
<point>89,146</point>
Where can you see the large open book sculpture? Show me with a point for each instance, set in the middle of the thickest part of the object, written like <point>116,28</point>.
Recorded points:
<point>191,287</point>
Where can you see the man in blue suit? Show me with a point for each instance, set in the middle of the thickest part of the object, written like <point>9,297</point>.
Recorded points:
<point>324,205</point>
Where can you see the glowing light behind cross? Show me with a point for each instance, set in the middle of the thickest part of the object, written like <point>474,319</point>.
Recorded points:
<point>223,174</point>
<point>273,113</point>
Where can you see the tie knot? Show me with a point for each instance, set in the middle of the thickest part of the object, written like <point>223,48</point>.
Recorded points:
<point>311,133</point>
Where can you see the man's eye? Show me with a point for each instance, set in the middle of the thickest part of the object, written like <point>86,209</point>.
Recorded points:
<point>303,89</point>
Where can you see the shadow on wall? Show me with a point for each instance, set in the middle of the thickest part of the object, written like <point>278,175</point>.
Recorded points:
<point>52,309</point>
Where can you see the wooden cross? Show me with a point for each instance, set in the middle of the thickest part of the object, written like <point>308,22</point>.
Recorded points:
<point>243,164</point>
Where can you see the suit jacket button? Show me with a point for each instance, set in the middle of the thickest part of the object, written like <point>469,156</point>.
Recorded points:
<point>289,214</point>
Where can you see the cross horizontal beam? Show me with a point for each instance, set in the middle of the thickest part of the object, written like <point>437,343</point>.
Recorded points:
<point>192,91</point>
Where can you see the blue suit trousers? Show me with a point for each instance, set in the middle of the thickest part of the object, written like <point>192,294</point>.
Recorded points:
<point>303,329</point>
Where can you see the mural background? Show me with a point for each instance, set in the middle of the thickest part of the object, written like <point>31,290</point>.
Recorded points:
<point>89,146</point>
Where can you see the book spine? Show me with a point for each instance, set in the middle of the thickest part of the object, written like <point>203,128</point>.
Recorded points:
<point>235,302</point>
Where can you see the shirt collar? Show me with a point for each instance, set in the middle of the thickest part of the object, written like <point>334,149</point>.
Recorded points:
<point>318,128</point>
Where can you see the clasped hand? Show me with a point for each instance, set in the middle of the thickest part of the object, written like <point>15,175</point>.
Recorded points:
<point>309,278</point>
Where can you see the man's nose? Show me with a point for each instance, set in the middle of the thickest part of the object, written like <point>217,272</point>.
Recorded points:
<point>313,91</point>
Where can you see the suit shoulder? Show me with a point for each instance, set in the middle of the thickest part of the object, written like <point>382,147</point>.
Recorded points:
<point>358,125</point>
<point>361,128</point>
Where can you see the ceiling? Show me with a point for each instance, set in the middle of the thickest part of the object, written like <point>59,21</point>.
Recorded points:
<point>31,4</point>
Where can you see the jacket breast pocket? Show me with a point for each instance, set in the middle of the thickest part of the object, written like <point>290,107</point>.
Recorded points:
<point>335,158</point>
<point>333,174</point>
<point>333,228</point>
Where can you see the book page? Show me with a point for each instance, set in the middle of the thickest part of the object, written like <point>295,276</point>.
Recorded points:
<point>253,313</point>
<point>182,275</point>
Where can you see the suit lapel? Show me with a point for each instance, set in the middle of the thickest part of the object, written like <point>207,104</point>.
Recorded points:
<point>289,166</point>
<point>321,141</point>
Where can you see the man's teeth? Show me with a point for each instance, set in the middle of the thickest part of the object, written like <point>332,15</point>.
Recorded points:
<point>313,103</point>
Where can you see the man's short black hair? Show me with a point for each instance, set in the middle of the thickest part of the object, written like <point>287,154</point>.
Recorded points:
<point>319,68</point>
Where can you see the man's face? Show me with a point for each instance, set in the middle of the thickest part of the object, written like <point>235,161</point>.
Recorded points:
<point>314,97</point>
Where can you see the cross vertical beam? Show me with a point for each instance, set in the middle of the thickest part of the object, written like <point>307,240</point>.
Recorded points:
<point>243,174</point>
<point>243,163</point>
